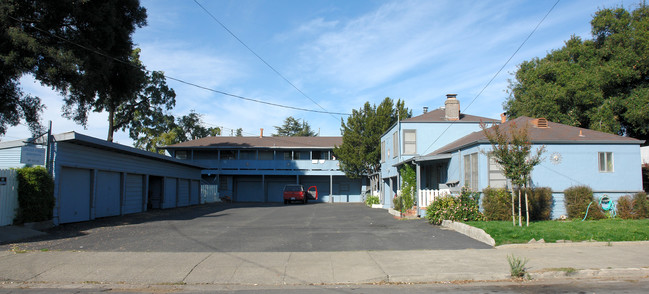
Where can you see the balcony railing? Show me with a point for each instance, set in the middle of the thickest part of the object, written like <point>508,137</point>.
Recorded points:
<point>270,164</point>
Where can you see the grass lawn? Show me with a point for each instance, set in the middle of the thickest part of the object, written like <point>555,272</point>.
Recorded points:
<point>551,231</point>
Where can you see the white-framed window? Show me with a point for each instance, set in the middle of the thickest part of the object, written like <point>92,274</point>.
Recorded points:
<point>471,171</point>
<point>395,144</point>
<point>497,177</point>
<point>409,141</point>
<point>605,162</point>
<point>382,151</point>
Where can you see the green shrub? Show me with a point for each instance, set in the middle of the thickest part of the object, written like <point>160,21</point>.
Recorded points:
<point>625,207</point>
<point>372,200</point>
<point>540,201</point>
<point>497,204</point>
<point>462,208</point>
<point>645,177</point>
<point>578,199</point>
<point>641,205</point>
<point>406,200</point>
<point>35,195</point>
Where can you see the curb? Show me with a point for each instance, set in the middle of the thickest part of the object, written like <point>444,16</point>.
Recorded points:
<point>472,232</point>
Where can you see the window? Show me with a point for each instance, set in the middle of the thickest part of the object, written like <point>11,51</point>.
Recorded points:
<point>606,162</point>
<point>265,155</point>
<point>181,154</point>
<point>320,155</point>
<point>223,183</point>
<point>301,155</point>
<point>395,144</point>
<point>409,142</point>
<point>288,155</point>
<point>228,154</point>
<point>471,171</point>
<point>497,177</point>
<point>247,154</point>
<point>382,151</point>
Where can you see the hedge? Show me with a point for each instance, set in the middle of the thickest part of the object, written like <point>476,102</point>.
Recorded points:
<point>578,199</point>
<point>633,207</point>
<point>497,204</point>
<point>35,195</point>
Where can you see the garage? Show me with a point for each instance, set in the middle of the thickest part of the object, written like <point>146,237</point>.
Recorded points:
<point>195,193</point>
<point>134,194</point>
<point>183,193</point>
<point>249,189</point>
<point>107,198</point>
<point>170,193</point>
<point>275,187</point>
<point>75,194</point>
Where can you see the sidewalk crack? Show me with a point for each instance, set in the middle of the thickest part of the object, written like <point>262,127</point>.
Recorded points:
<point>386,275</point>
<point>196,265</point>
<point>288,260</point>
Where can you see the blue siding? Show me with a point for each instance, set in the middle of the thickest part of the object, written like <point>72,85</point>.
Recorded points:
<point>195,195</point>
<point>10,158</point>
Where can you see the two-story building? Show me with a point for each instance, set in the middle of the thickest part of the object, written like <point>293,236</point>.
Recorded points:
<point>256,169</point>
<point>413,138</point>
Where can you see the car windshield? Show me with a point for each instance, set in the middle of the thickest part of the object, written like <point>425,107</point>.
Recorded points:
<point>293,188</point>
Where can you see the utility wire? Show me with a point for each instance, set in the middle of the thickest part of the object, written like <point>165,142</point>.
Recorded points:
<point>180,80</point>
<point>497,73</point>
<point>262,60</point>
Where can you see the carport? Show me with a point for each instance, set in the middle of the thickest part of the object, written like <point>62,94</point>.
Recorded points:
<point>94,178</point>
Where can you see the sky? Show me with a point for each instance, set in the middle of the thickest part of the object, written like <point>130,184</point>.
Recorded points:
<point>339,54</point>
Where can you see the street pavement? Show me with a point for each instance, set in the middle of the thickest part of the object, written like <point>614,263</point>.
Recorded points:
<point>607,260</point>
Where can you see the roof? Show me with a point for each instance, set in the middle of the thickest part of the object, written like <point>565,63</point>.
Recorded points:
<point>80,139</point>
<point>439,115</point>
<point>555,133</point>
<point>260,142</point>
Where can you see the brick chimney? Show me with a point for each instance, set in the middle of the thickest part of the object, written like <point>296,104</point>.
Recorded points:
<point>503,118</point>
<point>452,107</point>
<point>261,133</point>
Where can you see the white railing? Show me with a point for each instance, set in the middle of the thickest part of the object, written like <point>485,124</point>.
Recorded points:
<point>8,196</point>
<point>427,196</point>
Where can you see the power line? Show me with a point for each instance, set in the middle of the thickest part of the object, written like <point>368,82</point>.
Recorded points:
<point>260,58</point>
<point>180,80</point>
<point>497,73</point>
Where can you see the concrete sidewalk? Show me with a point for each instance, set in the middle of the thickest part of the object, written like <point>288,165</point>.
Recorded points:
<point>616,259</point>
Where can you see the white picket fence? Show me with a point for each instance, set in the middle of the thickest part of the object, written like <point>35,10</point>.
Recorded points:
<point>427,196</point>
<point>8,196</point>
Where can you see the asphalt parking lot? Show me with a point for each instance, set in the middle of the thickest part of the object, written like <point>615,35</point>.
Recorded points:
<point>314,227</point>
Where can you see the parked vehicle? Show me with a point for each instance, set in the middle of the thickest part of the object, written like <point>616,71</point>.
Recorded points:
<point>296,192</point>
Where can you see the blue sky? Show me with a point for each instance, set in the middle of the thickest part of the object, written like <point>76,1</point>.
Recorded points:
<point>339,53</point>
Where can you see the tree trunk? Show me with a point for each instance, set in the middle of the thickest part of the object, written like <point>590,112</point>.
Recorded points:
<point>511,187</point>
<point>111,119</point>
<point>520,213</point>
<point>527,208</point>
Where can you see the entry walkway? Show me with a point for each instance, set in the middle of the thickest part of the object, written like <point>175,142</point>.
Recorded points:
<point>617,259</point>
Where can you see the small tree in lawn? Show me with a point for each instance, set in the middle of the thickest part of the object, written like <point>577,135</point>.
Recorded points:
<point>511,149</point>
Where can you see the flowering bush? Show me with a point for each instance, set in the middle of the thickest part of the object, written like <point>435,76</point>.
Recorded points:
<point>461,208</point>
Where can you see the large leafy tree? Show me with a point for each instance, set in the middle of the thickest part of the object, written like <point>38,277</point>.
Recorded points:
<point>82,49</point>
<point>360,152</point>
<point>601,83</point>
<point>161,130</point>
<point>293,127</point>
<point>512,150</point>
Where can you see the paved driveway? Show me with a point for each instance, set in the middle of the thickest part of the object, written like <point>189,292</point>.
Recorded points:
<point>253,228</point>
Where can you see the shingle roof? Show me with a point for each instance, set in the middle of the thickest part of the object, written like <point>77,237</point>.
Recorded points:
<point>257,142</point>
<point>554,133</point>
<point>439,115</point>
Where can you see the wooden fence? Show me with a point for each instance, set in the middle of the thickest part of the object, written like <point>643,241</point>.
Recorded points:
<point>427,196</point>
<point>8,196</point>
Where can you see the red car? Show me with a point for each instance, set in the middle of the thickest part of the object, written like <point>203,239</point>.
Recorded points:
<point>297,193</point>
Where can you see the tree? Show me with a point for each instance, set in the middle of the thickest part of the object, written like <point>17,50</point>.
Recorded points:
<point>601,84</point>
<point>360,152</point>
<point>239,132</point>
<point>294,128</point>
<point>163,130</point>
<point>511,149</point>
<point>81,49</point>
